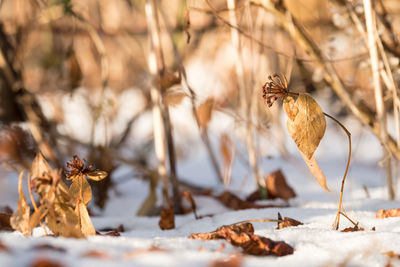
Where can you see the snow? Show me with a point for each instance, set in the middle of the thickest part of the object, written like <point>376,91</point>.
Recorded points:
<point>315,243</point>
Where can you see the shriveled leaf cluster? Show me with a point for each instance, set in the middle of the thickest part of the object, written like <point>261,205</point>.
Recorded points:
<point>63,209</point>
<point>242,235</point>
<point>388,213</point>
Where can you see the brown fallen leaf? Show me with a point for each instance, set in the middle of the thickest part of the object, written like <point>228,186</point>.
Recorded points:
<point>232,201</point>
<point>167,219</point>
<point>288,222</point>
<point>239,227</point>
<point>242,235</point>
<point>352,229</point>
<point>5,222</point>
<point>388,213</point>
<point>233,261</point>
<point>204,112</point>
<point>97,254</point>
<point>277,187</point>
<point>43,262</point>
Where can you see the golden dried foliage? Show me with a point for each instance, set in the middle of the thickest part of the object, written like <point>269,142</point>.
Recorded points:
<point>204,112</point>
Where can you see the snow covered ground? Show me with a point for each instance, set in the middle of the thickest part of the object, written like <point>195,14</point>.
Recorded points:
<point>315,243</point>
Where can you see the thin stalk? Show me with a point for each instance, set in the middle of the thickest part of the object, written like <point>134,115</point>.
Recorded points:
<point>245,99</point>
<point>380,107</point>
<point>336,222</point>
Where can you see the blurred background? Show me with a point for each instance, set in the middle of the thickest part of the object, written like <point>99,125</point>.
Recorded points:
<point>165,86</point>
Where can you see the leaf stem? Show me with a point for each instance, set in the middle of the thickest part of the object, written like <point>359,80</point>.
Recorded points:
<point>336,222</point>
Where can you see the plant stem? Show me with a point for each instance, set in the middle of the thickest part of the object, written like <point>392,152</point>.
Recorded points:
<point>336,222</point>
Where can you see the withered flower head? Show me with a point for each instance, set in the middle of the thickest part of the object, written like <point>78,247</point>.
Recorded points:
<point>78,167</point>
<point>276,88</point>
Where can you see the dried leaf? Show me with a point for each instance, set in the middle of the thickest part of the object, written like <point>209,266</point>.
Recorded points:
<point>96,175</point>
<point>20,219</point>
<point>352,229</point>
<point>167,219</point>
<point>173,97</point>
<point>227,149</point>
<point>288,222</point>
<point>204,112</point>
<point>392,254</point>
<point>314,168</point>
<point>308,126</point>
<point>388,213</point>
<point>233,261</point>
<point>43,262</point>
<point>238,227</point>
<point>62,220</point>
<point>80,189</point>
<point>234,202</point>
<point>97,254</point>
<point>85,223</point>
<point>5,222</point>
<point>36,217</point>
<point>253,244</point>
<point>40,171</point>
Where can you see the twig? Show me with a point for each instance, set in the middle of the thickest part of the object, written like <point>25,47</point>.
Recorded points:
<point>336,222</point>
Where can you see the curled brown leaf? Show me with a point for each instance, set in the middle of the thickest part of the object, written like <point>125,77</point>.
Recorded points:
<point>167,219</point>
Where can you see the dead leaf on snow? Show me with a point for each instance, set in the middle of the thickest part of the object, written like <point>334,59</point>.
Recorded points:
<point>167,219</point>
<point>388,213</point>
<point>20,219</point>
<point>238,227</point>
<point>352,229</point>
<point>277,187</point>
<point>288,222</point>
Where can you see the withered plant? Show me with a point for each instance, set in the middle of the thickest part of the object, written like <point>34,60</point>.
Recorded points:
<point>306,125</point>
<point>63,209</point>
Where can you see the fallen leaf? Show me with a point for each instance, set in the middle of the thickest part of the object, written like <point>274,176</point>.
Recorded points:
<point>97,254</point>
<point>42,262</point>
<point>308,126</point>
<point>352,229</point>
<point>20,219</point>
<point>204,112</point>
<point>173,97</point>
<point>277,187</point>
<point>288,222</point>
<point>5,222</point>
<point>233,261</point>
<point>232,201</point>
<point>388,213</point>
<point>238,227</point>
<point>167,219</point>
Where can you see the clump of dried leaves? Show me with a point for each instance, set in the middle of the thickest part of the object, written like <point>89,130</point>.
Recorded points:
<point>242,235</point>
<point>388,213</point>
<point>63,209</point>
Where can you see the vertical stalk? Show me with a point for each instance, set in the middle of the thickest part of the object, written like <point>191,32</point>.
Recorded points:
<point>370,21</point>
<point>154,61</point>
<point>244,97</point>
